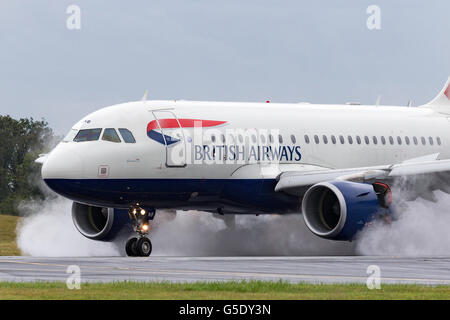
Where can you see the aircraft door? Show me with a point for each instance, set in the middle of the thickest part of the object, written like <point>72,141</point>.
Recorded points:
<point>173,137</point>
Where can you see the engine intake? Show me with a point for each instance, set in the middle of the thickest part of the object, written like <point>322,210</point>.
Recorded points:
<point>339,209</point>
<point>98,223</point>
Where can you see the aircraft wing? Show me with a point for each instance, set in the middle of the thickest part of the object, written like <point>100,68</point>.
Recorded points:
<point>292,180</point>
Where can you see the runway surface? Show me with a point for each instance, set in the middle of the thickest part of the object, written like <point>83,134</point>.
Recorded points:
<point>435,271</point>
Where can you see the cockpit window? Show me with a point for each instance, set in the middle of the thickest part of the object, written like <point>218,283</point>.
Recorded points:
<point>69,137</point>
<point>88,135</point>
<point>110,134</point>
<point>127,136</point>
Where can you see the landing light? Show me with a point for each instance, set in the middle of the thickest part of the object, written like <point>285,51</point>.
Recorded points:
<point>144,227</point>
<point>142,212</point>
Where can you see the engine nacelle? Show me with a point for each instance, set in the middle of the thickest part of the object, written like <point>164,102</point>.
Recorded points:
<point>339,209</point>
<point>99,223</point>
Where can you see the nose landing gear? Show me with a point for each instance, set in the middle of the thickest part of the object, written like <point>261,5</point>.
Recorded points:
<point>140,246</point>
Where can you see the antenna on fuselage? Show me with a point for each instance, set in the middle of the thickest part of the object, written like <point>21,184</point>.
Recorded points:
<point>409,103</point>
<point>144,98</point>
<point>378,101</point>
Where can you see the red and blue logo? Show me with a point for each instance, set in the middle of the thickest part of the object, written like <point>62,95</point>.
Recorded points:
<point>154,127</point>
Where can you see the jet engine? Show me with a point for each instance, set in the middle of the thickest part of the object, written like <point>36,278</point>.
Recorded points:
<point>99,223</point>
<point>337,209</point>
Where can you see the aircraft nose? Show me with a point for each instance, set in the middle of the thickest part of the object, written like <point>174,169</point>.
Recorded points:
<point>62,164</point>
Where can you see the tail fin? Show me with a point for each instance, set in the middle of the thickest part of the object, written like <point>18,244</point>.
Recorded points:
<point>442,102</point>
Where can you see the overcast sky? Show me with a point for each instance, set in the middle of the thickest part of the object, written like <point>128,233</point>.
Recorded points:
<point>286,51</point>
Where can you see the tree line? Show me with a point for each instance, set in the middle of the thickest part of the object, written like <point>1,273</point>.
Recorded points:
<point>21,142</point>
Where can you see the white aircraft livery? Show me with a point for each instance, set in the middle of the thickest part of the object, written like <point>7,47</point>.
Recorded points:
<point>334,164</point>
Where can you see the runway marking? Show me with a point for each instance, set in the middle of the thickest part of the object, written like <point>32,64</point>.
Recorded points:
<point>155,271</point>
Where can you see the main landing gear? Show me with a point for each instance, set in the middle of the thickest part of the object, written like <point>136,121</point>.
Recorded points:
<point>140,246</point>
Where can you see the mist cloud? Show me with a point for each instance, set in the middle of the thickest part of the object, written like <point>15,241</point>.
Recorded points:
<point>47,230</point>
<point>421,228</point>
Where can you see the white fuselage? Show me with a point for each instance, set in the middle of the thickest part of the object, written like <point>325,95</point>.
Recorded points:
<point>378,136</point>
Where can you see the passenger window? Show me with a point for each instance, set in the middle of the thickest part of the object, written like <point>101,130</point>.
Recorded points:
<point>333,139</point>
<point>438,140</point>
<point>350,139</point>
<point>366,139</point>
<point>223,138</point>
<point>341,139</point>
<point>383,140</point>
<point>431,140</point>
<point>358,139</point>
<point>263,139</point>
<point>306,139</point>
<point>391,140</point>
<point>253,138</point>
<point>88,135</point>
<point>127,136</point>
<point>293,139</point>
<point>271,138</point>
<point>110,134</point>
<point>213,138</point>
<point>423,140</point>
<point>399,140</point>
<point>415,140</point>
<point>280,138</point>
<point>407,140</point>
<point>316,139</point>
<point>325,139</point>
<point>375,140</point>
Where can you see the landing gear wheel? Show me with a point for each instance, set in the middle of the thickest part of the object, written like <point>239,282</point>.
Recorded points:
<point>130,247</point>
<point>144,247</point>
<point>140,218</point>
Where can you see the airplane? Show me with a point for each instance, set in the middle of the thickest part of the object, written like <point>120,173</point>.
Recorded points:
<point>334,164</point>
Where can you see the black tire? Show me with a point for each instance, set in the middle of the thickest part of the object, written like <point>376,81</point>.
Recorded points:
<point>144,247</point>
<point>130,247</point>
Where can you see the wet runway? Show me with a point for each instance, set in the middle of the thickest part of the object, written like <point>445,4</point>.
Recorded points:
<point>435,271</point>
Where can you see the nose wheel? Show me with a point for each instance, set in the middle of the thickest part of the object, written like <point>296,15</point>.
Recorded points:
<point>140,246</point>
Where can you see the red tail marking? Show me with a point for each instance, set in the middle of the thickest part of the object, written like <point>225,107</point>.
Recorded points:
<point>447,92</point>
